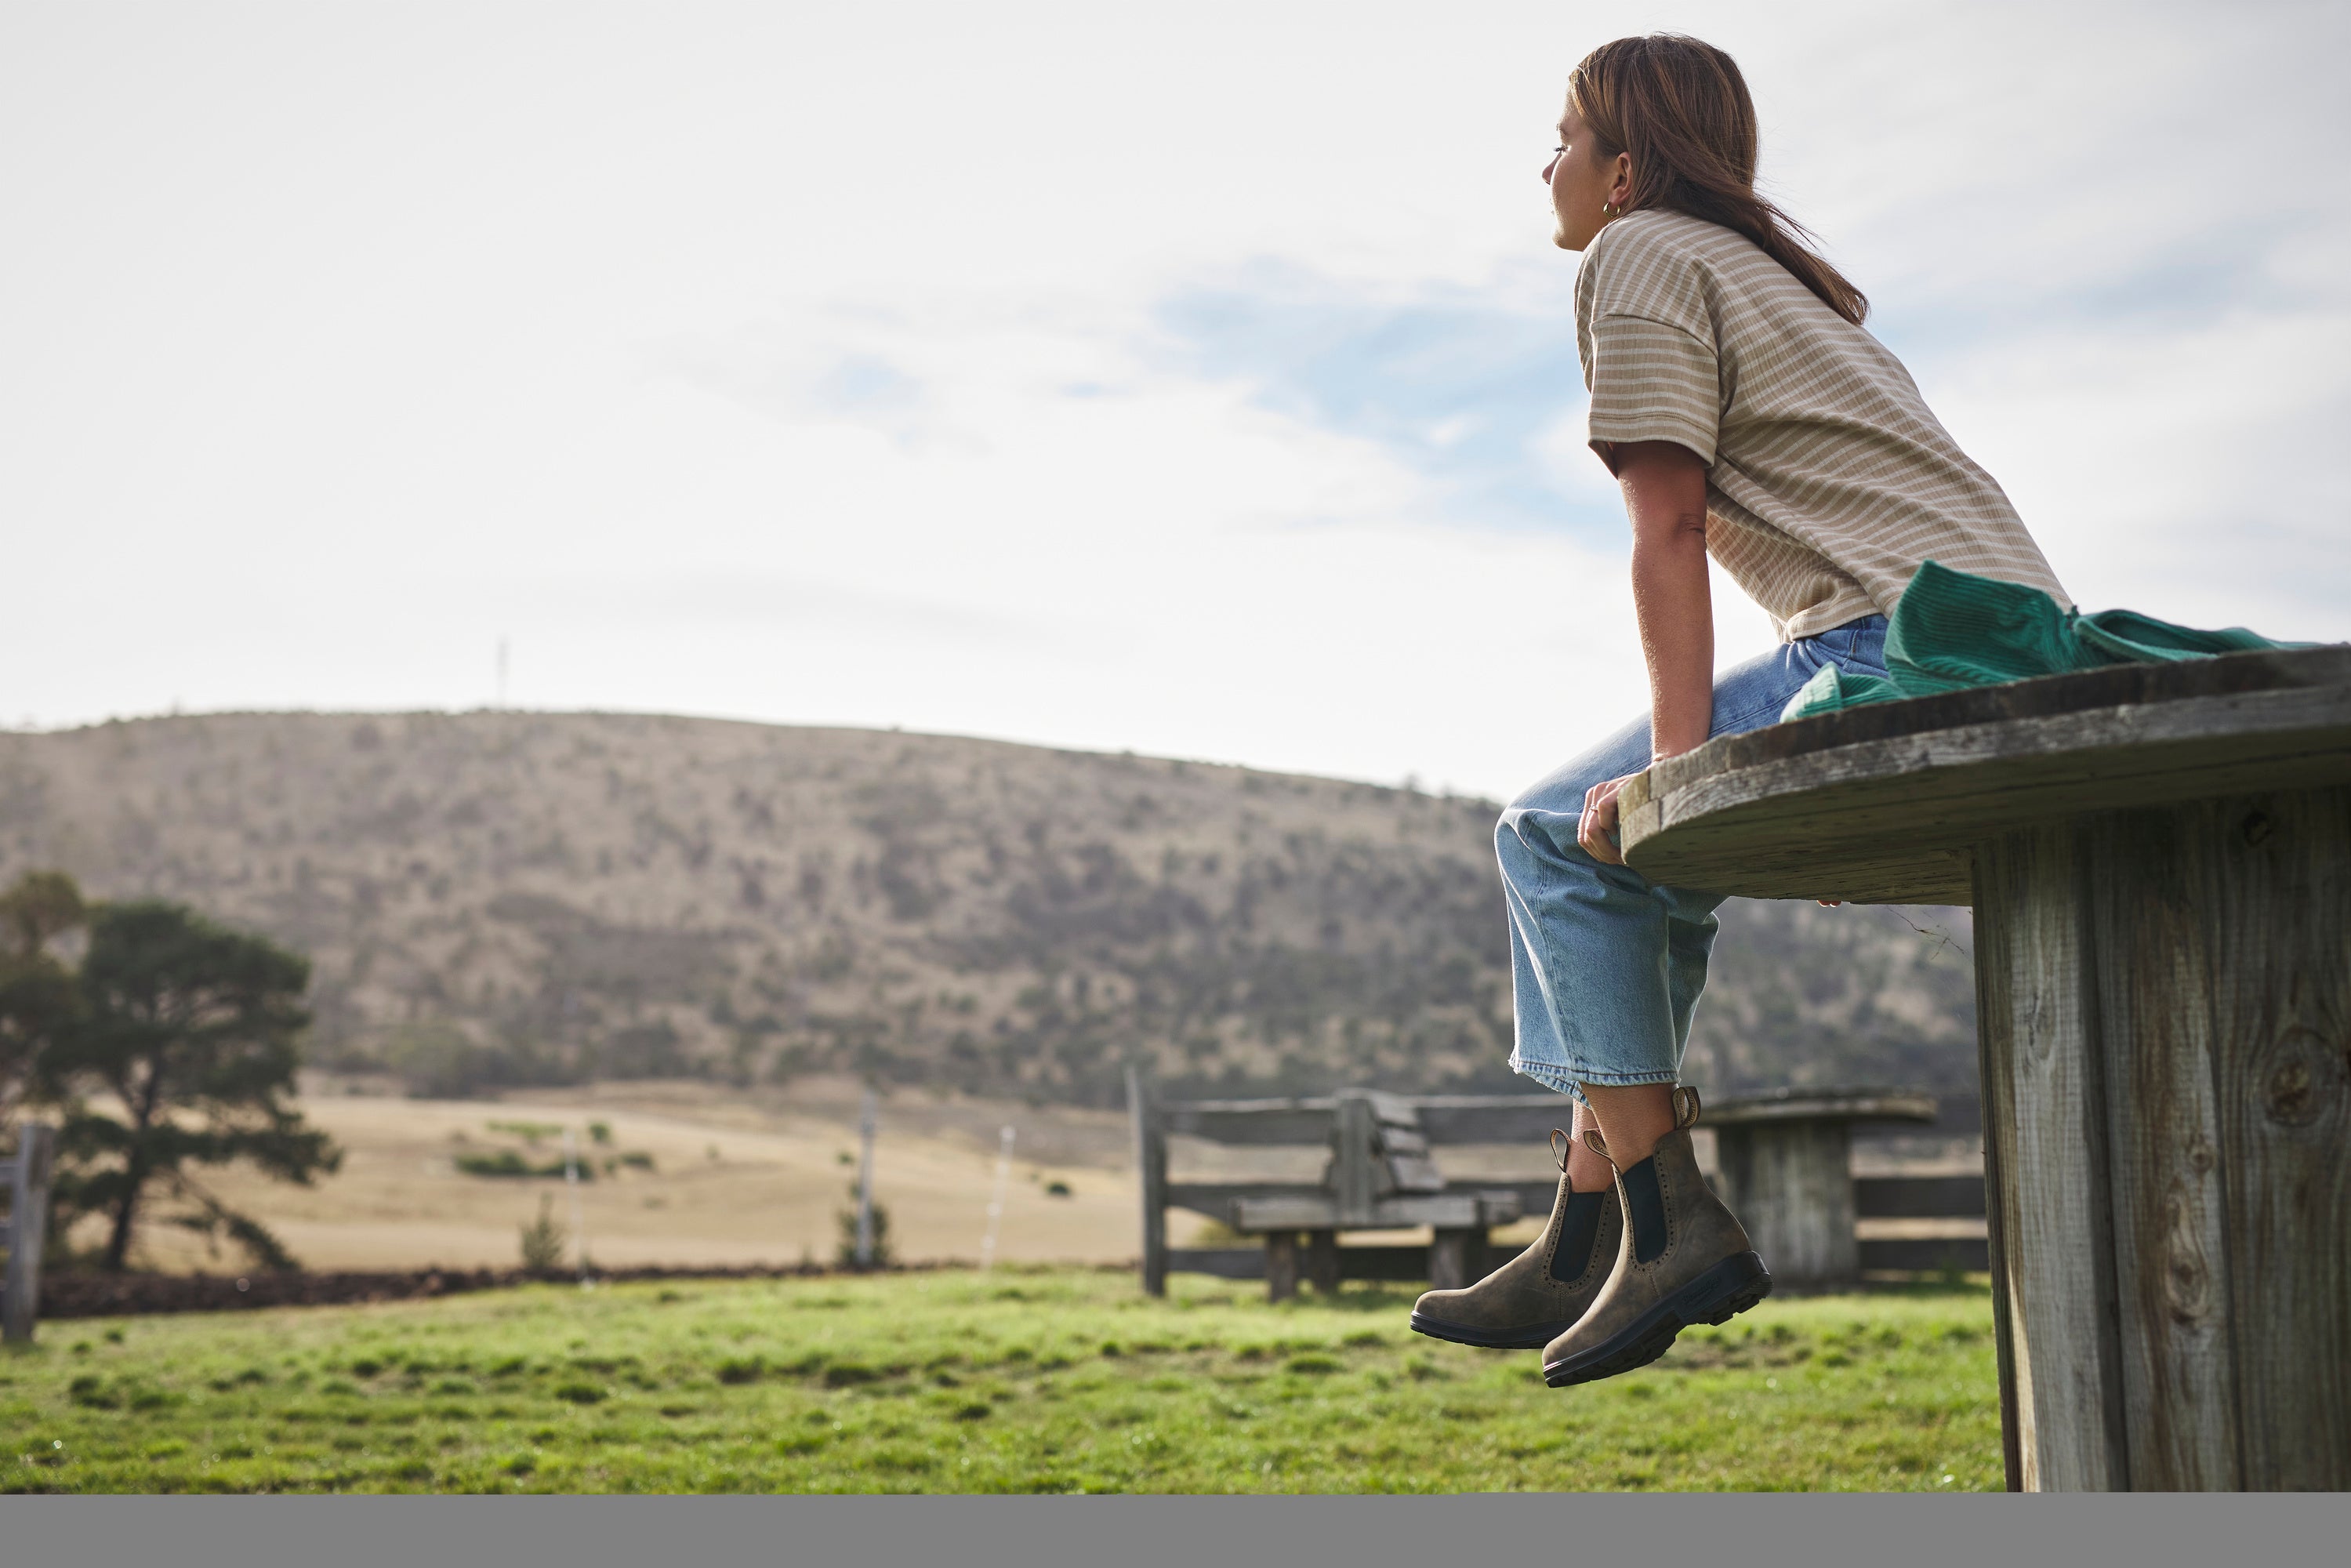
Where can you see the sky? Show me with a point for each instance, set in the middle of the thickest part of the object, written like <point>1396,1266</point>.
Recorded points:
<point>1195,380</point>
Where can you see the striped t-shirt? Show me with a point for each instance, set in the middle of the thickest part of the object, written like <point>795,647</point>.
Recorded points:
<point>1828,479</point>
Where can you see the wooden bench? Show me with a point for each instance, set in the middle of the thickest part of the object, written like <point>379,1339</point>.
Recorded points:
<point>1379,1176</point>
<point>25,1229</point>
<point>2159,860</point>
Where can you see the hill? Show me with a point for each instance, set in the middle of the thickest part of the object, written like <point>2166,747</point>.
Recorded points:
<point>502,898</point>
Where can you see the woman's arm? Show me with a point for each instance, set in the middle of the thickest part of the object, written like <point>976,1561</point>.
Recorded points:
<point>1664,495</point>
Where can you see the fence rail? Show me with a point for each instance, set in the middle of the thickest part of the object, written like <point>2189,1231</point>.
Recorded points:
<point>1380,1176</point>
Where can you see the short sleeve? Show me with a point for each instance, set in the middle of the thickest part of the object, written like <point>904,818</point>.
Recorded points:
<point>1651,382</point>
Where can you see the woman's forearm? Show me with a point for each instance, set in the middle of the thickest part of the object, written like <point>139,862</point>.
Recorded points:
<point>1664,495</point>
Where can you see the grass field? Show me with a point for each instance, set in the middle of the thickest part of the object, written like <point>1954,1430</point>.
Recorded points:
<point>1046,1380</point>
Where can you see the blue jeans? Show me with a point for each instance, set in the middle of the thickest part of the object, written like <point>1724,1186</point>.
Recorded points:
<point>1606,965</point>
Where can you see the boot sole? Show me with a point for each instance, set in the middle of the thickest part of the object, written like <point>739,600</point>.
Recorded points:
<point>1723,1292</point>
<point>1532,1336</point>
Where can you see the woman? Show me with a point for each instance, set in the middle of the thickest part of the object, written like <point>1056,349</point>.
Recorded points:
<point>1748,416</point>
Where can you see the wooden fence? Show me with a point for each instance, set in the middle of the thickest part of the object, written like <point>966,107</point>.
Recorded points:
<point>1380,1176</point>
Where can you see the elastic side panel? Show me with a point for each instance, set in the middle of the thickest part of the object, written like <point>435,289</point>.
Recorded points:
<point>1644,1211</point>
<point>1577,1234</point>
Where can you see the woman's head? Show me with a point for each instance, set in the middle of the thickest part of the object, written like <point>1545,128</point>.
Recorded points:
<point>1665,121</point>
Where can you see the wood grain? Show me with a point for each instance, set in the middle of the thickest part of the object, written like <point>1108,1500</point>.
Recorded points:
<point>1791,1184</point>
<point>1890,821</point>
<point>1250,1121</point>
<point>2277,899</point>
<point>1995,1053</point>
<point>2046,1107</point>
<point>2150,928</point>
<point>1356,1171</point>
<point>1821,1105</point>
<point>1151,1171</point>
<point>27,1229</point>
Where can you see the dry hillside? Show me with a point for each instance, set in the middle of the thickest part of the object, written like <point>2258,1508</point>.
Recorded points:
<point>504,898</point>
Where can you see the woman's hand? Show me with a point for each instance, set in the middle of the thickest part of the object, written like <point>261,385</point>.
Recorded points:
<point>1596,830</point>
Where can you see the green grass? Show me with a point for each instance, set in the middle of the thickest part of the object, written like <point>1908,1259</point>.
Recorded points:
<point>1017,1381</point>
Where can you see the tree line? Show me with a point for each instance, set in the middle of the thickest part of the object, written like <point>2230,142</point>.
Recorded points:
<point>163,1045</point>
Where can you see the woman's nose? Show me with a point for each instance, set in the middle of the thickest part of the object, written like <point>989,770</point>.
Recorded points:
<point>1548,168</point>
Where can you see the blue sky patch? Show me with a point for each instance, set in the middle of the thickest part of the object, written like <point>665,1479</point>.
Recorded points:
<point>1460,390</point>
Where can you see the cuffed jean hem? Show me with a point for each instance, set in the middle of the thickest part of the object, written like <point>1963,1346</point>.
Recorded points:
<point>1569,1083</point>
<point>1606,967</point>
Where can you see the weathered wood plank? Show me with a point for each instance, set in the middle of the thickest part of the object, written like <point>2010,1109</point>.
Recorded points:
<point>1917,1197</point>
<point>1356,1172</point>
<point>2046,1107</point>
<point>1493,1118</point>
<point>1464,1208</point>
<point>1924,1254</point>
<point>1223,1263</point>
<point>1456,1258</point>
<point>1819,1105</point>
<point>1443,1119</point>
<point>1414,1172</point>
<point>1151,1179</point>
<point>1996,1104</point>
<point>1395,1140</point>
<point>1216,1198</point>
<point>2278,906</point>
<point>1323,1260</point>
<point>1791,1184</point>
<point>28,1213</point>
<point>2148,913</point>
<point>1889,820</point>
<point>1281,1265</point>
<point>1251,1123</point>
<point>1389,1263</point>
<point>2116,686</point>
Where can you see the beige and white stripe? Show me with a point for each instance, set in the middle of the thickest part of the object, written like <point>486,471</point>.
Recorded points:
<point>1829,478</point>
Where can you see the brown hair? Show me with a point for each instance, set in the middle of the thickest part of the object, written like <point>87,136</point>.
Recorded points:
<point>1680,107</point>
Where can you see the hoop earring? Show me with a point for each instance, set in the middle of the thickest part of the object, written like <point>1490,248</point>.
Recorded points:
<point>1608,209</point>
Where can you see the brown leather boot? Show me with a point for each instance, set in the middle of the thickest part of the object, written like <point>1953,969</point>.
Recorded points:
<point>1684,1260</point>
<point>1537,1295</point>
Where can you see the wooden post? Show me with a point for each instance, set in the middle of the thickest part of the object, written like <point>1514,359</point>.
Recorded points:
<point>1455,1258</point>
<point>29,1218</point>
<point>1990,1005</point>
<point>1354,1175</point>
<point>1322,1261</point>
<point>2161,873</point>
<point>1151,1181</point>
<point>1281,1265</point>
<point>1791,1184</point>
<point>2165,995</point>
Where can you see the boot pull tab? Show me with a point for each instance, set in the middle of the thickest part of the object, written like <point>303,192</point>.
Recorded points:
<point>1560,1145</point>
<point>1686,1108</point>
<point>1598,1146</point>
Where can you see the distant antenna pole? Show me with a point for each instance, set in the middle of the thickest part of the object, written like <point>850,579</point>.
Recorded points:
<point>571,1183</point>
<point>502,672</point>
<point>996,1204</point>
<point>865,1182</point>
